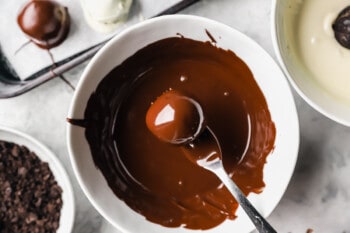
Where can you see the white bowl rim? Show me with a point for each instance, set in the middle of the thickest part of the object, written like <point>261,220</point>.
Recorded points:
<point>67,222</point>
<point>296,87</point>
<point>117,37</point>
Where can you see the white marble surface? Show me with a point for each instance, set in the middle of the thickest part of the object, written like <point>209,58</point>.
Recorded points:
<point>318,196</point>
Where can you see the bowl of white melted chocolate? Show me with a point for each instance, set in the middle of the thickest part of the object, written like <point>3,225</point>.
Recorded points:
<point>154,89</point>
<point>312,43</point>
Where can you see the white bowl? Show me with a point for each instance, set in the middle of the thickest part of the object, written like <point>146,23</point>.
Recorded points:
<point>68,207</point>
<point>281,162</point>
<point>297,73</point>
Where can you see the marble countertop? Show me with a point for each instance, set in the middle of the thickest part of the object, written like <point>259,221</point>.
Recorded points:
<point>318,195</point>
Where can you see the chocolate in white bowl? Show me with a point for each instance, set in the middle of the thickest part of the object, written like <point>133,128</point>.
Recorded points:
<point>269,78</point>
<point>67,211</point>
<point>315,63</point>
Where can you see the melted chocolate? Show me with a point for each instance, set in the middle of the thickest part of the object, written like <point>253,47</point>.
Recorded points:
<point>175,118</point>
<point>46,23</point>
<point>155,178</point>
<point>204,150</point>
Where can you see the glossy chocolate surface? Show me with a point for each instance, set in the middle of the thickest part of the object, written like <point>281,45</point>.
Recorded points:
<point>154,177</point>
<point>46,23</point>
<point>175,118</point>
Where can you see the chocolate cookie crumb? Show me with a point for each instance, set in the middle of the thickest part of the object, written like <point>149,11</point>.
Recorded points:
<point>341,28</point>
<point>30,198</point>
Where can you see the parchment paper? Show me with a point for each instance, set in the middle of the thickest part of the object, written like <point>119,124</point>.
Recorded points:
<point>31,58</point>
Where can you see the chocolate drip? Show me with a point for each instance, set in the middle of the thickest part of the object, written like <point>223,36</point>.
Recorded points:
<point>77,122</point>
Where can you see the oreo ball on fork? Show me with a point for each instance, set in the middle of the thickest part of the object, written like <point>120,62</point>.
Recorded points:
<point>45,22</point>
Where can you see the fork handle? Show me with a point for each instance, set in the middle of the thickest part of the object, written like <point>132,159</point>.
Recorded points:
<point>260,222</point>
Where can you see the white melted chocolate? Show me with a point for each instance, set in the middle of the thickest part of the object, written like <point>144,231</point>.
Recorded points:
<point>324,57</point>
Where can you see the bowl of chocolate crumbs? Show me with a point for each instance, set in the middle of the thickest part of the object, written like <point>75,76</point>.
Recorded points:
<point>35,191</point>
